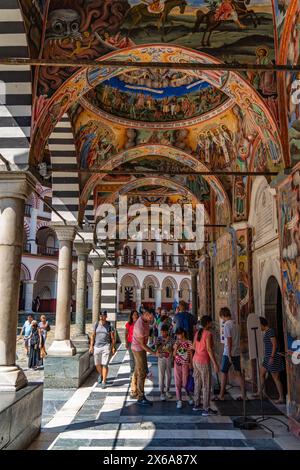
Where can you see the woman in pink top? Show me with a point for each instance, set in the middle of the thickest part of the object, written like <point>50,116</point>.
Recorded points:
<point>203,357</point>
<point>128,336</point>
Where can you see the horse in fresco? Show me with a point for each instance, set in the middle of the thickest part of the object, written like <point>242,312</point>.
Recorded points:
<point>212,22</point>
<point>140,14</point>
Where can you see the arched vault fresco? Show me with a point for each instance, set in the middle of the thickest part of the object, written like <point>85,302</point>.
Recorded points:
<point>162,151</point>
<point>156,182</point>
<point>232,84</point>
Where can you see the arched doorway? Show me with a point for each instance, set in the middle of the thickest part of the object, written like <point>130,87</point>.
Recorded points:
<point>273,313</point>
<point>46,288</point>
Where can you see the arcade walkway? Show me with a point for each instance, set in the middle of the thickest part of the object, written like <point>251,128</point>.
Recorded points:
<point>96,419</point>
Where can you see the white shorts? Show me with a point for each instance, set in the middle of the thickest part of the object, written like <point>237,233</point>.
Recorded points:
<point>102,355</point>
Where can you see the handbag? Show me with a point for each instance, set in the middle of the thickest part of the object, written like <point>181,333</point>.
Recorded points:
<point>43,353</point>
<point>190,385</point>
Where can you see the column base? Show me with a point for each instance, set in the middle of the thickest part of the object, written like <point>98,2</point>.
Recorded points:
<point>62,348</point>
<point>81,342</point>
<point>20,417</point>
<point>12,378</point>
<point>68,372</point>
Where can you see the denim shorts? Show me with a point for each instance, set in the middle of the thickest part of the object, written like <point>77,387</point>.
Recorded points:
<point>226,364</point>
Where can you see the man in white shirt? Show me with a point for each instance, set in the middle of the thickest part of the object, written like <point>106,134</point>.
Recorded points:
<point>231,353</point>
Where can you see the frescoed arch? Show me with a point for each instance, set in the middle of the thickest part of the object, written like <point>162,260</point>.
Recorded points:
<point>231,83</point>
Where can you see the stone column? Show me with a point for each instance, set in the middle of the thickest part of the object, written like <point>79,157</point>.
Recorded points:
<point>194,274</point>
<point>139,253</point>
<point>175,256</point>
<point>62,345</point>
<point>159,254</point>
<point>29,295</point>
<point>176,295</point>
<point>138,295</point>
<point>81,339</point>
<point>158,291</point>
<point>32,234</point>
<point>14,190</point>
<point>97,264</point>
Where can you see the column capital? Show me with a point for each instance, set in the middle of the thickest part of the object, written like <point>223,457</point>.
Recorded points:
<point>64,232</point>
<point>16,184</point>
<point>193,271</point>
<point>83,248</point>
<point>29,281</point>
<point>97,261</point>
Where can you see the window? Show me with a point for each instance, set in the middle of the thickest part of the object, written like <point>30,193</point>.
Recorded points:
<point>126,255</point>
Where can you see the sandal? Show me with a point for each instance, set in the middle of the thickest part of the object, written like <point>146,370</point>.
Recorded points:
<point>279,402</point>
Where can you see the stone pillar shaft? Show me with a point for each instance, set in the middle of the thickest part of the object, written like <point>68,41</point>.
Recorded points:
<point>138,298</point>
<point>158,291</point>
<point>62,345</point>
<point>83,250</point>
<point>97,285</point>
<point>14,190</point>
<point>29,287</point>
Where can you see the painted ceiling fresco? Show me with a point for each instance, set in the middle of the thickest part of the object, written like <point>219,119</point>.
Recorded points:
<point>230,30</point>
<point>155,96</point>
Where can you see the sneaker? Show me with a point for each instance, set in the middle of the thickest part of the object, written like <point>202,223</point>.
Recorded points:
<point>163,397</point>
<point>103,385</point>
<point>197,408</point>
<point>179,404</point>
<point>191,401</point>
<point>169,395</point>
<point>100,379</point>
<point>144,401</point>
<point>209,412</point>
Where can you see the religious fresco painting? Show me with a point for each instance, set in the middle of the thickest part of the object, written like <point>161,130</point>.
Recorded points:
<point>289,226</point>
<point>224,261</point>
<point>243,283</point>
<point>204,289</point>
<point>140,97</point>
<point>291,54</point>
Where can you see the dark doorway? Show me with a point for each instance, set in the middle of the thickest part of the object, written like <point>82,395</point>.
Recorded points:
<point>273,313</point>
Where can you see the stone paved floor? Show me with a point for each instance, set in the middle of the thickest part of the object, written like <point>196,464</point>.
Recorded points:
<point>92,418</point>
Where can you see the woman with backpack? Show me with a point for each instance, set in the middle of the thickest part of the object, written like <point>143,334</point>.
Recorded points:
<point>203,358</point>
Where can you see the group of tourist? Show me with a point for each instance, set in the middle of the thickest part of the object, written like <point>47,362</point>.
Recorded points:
<point>35,334</point>
<point>180,345</point>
